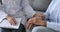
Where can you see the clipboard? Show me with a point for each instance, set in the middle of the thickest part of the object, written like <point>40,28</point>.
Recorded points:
<point>5,24</point>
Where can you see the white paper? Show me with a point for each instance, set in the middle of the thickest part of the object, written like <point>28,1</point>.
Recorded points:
<point>6,24</point>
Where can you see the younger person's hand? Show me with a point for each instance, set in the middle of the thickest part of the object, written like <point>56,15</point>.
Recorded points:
<point>11,20</point>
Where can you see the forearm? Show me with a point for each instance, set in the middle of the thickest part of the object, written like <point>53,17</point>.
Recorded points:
<point>2,15</point>
<point>29,11</point>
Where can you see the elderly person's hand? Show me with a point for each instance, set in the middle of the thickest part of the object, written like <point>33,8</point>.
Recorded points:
<point>40,15</point>
<point>36,20</point>
<point>30,23</point>
<point>39,21</point>
<point>11,20</point>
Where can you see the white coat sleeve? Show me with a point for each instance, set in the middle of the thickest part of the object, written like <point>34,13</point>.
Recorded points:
<point>2,14</point>
<point>27,9</point>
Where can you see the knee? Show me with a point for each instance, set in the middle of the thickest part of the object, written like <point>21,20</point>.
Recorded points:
<point>42,29</point>
<point>38,28</point>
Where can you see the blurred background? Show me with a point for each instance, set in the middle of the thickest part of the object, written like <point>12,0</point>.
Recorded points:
<point>40,5</point>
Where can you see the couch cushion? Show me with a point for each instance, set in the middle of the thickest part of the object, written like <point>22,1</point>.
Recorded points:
<point>39,4</point>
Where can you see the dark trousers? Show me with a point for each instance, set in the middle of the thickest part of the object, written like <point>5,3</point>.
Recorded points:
<point>21,29</point>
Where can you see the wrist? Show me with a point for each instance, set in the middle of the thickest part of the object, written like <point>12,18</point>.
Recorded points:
<point>45,24</point>
<point>36,15</point>
<point>8,17</point>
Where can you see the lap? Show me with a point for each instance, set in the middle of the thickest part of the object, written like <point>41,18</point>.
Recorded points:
<point>21,29</point>
<point>42,29</point>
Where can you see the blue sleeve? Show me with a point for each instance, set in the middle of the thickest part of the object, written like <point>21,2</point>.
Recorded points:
<point>49,9</point>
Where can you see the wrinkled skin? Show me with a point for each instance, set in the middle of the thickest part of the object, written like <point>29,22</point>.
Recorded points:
<point>36,21</point>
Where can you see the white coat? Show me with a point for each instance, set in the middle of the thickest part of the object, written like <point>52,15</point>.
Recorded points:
<point>16,8</point>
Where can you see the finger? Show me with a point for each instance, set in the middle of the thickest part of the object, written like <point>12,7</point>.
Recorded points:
<point>14,21</point>
<point>37,23</point>
<point>42,15</point>
<point>27,25</point>
<point>30,21</point>
<point>30,26</point>
<point>10,22</point>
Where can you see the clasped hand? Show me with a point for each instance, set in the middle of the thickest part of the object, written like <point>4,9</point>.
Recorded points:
<point>36,20</point>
